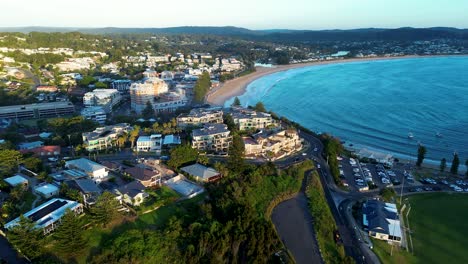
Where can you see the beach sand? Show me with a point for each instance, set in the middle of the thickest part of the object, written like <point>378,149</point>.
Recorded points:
<point>218,96</point>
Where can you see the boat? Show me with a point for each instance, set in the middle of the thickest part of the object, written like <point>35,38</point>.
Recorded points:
<point>438,134</point>
<point>410,135</point>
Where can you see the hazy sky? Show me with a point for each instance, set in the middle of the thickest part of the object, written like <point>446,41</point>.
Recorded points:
<point>254,14</point>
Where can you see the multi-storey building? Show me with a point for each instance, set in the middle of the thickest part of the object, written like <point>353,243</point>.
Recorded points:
<point>104,137</point>
<point>201,116</point>
<point>146,91</point>
<point>34,111</point>
<point>106,98</point>
<point>123,86</point>
<point>149,143</point>
<point>248,119</point>
<point>212,138</point>
<point>95,113</point>
<point>273,145</point>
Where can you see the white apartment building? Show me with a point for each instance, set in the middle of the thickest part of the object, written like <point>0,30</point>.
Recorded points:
<point>212,138</point>
<point>104,137</point>
<point>273,145</point>
<point>149,143</point>
<point>201,116</point>
<point>106,98</point>
<point>247,119</point>
<point>95,113</point>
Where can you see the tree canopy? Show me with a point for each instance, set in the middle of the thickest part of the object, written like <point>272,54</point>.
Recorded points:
<point>69,236</point>
<point>421,155</point>
<point>455,164</point>
<point>105,209</point>
<point>181,155</point>
<point>202,87</point>
<point>26,237</point>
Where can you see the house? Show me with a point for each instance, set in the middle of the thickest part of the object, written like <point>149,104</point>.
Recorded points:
<point>171,140</point>
<point>17,180</point>
<point>45,88</point>
<point>149,143</point>
<point>88,189</point>
<point>94,170</point>
<point>47,216</point>
<point>147,177</point>
<point>46,190</point>
<point>212,138</point>
<point>248,119</point>
<point>132,193</point>
<point>30,145</point>
<point>202,173</point>
<point>200,116</point>
<point>44,151</point>
<point>382,221</point>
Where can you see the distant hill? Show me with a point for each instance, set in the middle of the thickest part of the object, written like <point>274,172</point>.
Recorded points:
<point>364,34</point>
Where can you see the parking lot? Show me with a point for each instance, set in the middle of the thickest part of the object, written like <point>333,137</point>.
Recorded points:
<point>360,176</point>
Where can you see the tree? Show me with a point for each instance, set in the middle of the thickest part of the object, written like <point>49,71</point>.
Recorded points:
<point>148,112</point>
<point>201,87</point>
<point>229,121</point>
<point>134,135</point>
<point>69,236</point>
<point>203,159</point>
<point>443,165</point>
<point>260,107</point>
<point>9,160</point>
<point>455,164</point>
<point>236,102</point>
<point>105,209</point>
<point>421,155</point>
<point>33,164</point>
<point>236,153</point>
<point>466,164</point>
<point>181,155</point>
<point>26,238</point>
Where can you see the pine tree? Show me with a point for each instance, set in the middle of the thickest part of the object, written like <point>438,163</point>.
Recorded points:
<point>26,238</point>
<point>236,102</point>
<point>69,236</point>
<point>455,164</point>
<point>105,209</point>
<point>421,155</point>
<point>260,107</point>
<point>466,164</point>
<point>134,135</point>
<point>236,153</point>
<point>148,112</point>
<point>443,165</point>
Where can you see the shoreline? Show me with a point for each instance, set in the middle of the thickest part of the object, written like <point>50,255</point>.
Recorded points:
<point>238,86</point>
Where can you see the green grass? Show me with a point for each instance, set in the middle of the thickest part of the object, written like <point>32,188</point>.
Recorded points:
<point>439,231</point>
<point>157,198</point>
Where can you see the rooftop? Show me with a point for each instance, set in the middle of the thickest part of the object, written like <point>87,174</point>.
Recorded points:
<point>141,174</point>
<point>30,107</point>
<point>245,113</point>
<point>85,165</point>
<point>46,189</point>
<point>210,129</point>
<point>200,112</point>
<point>171,140</point>
<point>200,171</point>
<point>381,217</point>
<point>132,189</point>
<point>16,180</point>
<point>46,213</point>
<point>88,186</point>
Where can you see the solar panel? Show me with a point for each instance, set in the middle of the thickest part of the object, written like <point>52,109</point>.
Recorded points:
<point>47,210</point>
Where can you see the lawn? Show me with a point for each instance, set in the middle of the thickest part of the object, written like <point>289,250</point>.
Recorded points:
<point>439,231</point>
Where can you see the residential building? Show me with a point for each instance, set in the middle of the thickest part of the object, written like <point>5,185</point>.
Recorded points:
<point>145,91</point>
<point>35,111</point>
<point>104,137</point>
<point>170,102</point>
<point>46,190</point>
<point>47,216</point>
<point>132,193</point>
<point>149,143</point>
<point>95,113</point>
<point>273,144</point>
<point>171,140</point>
<point>30,145</point>
<point>44,151</point>
<point>106,98</point>
<point>212,138</point>
<point>88,189</point>
<point>200,116</point>
<point>17,180</point>
<point>94,170</point>
<point>167,76</point>
<point>75,64</point>
<point>248,119</point>
<point>147,177</point>
<point>382,221</point>
<point>202,173</point>
<point>123,86</point>
<point>46,88</point>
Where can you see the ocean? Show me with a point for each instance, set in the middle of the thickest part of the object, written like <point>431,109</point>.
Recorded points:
<point>377,104</point>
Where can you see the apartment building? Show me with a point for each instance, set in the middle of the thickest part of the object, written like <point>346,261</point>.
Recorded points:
<point>200,116</point>
<point>146,91</point>
<point>212,138</point>
<point>95,113</point>
<point>104,137</point>
<point>248,119</point>
<point>149,143</point>
<point>105,98</point>
<point>273,145</point>
<point>36,111</point>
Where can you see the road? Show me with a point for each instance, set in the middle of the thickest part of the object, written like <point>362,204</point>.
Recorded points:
<point>294,225</point>
<point>8,254</point>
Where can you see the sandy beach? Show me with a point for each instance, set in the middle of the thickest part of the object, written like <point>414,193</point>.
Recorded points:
<point>235,87</point>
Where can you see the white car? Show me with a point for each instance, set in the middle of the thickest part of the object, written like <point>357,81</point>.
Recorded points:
<point>52,159</point>
<point>356,170</point>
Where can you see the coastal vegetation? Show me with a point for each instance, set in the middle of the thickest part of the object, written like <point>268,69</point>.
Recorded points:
<point>324,223</point>
<point>332,149</point>
<point>421,155</point>
<point>202,87</point>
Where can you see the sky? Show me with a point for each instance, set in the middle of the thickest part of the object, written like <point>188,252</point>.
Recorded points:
<point>253,14</point>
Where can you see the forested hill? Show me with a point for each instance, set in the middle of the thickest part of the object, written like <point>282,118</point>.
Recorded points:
<point>367,34</point>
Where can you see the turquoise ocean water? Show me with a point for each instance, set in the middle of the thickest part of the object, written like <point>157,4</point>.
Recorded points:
<point>376,104</point>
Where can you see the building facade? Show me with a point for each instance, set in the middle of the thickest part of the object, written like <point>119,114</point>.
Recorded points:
<point>95,113</point>
<point>104,137</point>
<point>247,119</point>
<point>273,145</point>
<point>146,91</point>
<point>212,138</point>
<point>105,98</point>
<point>149,143</point>
<point>200,116</point>
<point>36,111</point>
